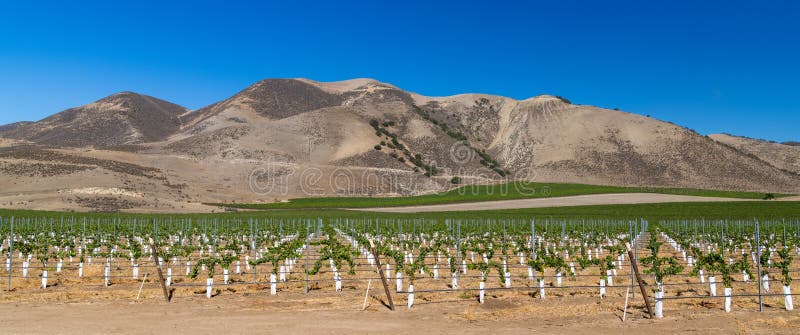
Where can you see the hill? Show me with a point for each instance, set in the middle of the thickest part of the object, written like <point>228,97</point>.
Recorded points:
<point>119,119</point>
<point>289,138</point>
<point>780,155</point>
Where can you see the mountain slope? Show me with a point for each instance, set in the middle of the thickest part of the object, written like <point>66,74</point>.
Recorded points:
<point>782,156</point>
<point>548,139</point>
<point>283,138</point>
<point>479,137</point>
<point>331,125</point>
<point>13,126</point>
<point>119,119</point>
<point>272,99</point>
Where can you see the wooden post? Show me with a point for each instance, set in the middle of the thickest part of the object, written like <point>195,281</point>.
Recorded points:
<point>625,308</point>
<point>635,267</point>
<point>10,253</point>
<point>383,277</point>
<point>158,270</point>
<point>366,294</point>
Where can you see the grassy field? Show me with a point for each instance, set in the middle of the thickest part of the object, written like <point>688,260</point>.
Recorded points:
<point>476,193</point>
<point>665,211</point>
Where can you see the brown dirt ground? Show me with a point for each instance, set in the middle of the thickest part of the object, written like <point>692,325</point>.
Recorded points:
<point>247,308</point>
<point>579,200</point>
<point>236,314</point>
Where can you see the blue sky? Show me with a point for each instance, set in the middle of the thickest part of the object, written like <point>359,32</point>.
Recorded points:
<point>726,66</point>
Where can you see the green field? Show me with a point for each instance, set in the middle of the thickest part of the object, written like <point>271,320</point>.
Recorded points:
<point>665,211</point>
<point>476,193</point>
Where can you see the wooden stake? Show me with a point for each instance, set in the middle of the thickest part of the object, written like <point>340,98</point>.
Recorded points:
<point>141,286</point>
<point>625,309</point>
<point>366,295</point>
<point>158,270</point>
<point>635,267</point>
<point>383,277</point>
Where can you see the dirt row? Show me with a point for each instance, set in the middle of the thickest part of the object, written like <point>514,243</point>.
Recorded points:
<point>579,200</point>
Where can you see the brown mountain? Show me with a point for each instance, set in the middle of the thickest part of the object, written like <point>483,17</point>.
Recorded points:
<point>781,155</point>
<point>274,99</point>
<point>283,138</point>
<point>13,126</point>
<point>542,138</point>
<point>119,119</point>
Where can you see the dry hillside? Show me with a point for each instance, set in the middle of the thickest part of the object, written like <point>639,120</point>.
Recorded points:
<point>784,156</point>
<point>120,119</point>
<point>283,138</point>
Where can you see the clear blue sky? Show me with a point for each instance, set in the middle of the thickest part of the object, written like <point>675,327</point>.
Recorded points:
<point>726,66</point>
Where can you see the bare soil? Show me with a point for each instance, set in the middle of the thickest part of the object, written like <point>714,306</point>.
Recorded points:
<point>236,314</point>
<point>580,200</point>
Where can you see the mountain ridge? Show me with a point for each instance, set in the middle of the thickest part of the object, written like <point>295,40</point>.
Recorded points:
<point>783,156</point>
<point>118,119</point>
<point>365,137</point>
